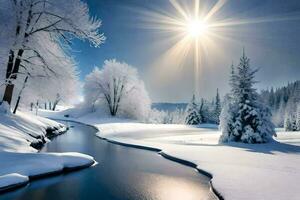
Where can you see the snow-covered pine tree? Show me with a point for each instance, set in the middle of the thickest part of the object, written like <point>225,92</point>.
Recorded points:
<point>206,111</point>
<point>229,111</point>
<point>201,111</point>
<point>217,108</point>
<point>227,118</point>
<point>250,120</point>
<point>279,101</point>
<point>298,117</point>
<point>192,113</point>
<point>291,119</point>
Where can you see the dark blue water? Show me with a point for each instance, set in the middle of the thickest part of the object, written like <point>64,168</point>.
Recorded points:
<point>122,173</point>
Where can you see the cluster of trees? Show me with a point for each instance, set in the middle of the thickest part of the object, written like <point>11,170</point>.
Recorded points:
<point>203,112</point>
<point>117,89</point>
<point>244,117</point>
<point>35,41</point>
<point>284,103</point>
<point>167,117</point>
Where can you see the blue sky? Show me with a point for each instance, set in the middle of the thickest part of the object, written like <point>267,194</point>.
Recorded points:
<point>274,47</point>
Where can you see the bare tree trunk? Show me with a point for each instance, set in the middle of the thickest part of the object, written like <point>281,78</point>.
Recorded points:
<point>9,69</point>
<point>54,105</point>
<point>36,107</point>
<point>19,97</point>
<point>115,97</point>
<point>119,98</point>
<point>13,68</point>
<point>12,74</point>
<point>56,101</point>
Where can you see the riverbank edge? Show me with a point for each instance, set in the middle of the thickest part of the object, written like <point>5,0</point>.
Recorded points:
<point>157,150</point>
<point>64,170</point>
<point>171,158</point>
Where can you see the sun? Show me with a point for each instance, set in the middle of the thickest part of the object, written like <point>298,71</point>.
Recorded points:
<point>197,33</point>
<point>197,28</point>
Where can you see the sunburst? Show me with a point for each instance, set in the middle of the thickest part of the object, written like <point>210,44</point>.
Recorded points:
<point>194,30</point>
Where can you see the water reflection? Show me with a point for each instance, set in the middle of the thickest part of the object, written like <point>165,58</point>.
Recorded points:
<point>122,173</point>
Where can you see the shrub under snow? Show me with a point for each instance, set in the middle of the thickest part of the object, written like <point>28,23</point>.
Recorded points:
<point>167,117</point>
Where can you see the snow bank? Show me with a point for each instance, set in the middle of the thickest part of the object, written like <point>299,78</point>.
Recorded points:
<point>18,132</point>
<point>289,137</point>
<point>19,168</point>
<point>10,181</point>
<point>240,171</point>
<point>20,162</point>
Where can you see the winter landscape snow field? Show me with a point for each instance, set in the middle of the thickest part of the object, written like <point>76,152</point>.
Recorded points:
<point>240,171</point>
<point>20,161</point>
<point>226,70</point>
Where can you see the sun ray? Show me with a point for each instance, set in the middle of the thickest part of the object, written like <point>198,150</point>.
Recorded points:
<point>235,22</point>
<point>179,9</point>
<point>215,9</point>
<point>200,31</point>
<point>197,6</point>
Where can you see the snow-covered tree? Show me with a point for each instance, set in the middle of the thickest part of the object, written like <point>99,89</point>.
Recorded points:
<point>35,38</point>
<point>207,111</point>
<point>248,120</point>
<point>282,102</point>
<point>227,119</point>
<point>49,91</point>
<point>202,111</point>
<point>177,116</point>
<point>192,113</point>
<point>298,117</point>
<point>216,108</point>
<point>119,87</point>
<point>167,117</point>
<point>291,119</point>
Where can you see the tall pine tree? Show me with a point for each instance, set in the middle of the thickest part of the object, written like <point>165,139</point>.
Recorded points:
<point>248,120</point>
<point>217,108</point>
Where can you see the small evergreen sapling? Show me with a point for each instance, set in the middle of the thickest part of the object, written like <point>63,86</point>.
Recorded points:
<point>193,117</point>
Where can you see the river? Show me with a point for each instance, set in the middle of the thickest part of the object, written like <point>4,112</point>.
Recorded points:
<point>122,173</point>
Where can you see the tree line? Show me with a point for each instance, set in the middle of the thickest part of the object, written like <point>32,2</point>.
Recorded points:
<point>203,111</point>
<point>284,103</point>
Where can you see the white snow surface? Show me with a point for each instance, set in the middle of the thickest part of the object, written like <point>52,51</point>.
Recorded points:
<point>18,167</point>
<point>240,171</point>
<point>19,161</point>
<point>18,131</point>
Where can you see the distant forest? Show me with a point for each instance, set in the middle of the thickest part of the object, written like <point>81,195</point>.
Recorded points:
<point>284,103</point>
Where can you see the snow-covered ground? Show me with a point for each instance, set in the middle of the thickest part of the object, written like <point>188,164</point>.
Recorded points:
<point>19,161</point>
<point>240,171</point>
<point>17,132</point>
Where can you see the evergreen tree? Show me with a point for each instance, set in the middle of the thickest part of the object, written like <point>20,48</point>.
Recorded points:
<point>298,117</point>
<point>206,112</point>
<point>217,108</point>
<point>283,103</point>
<point>292,110</point>
<point>229,111</point>
<point>271,98</point>
<point>192,117</point>
<point>249,119</point>
<point>201,111</point>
